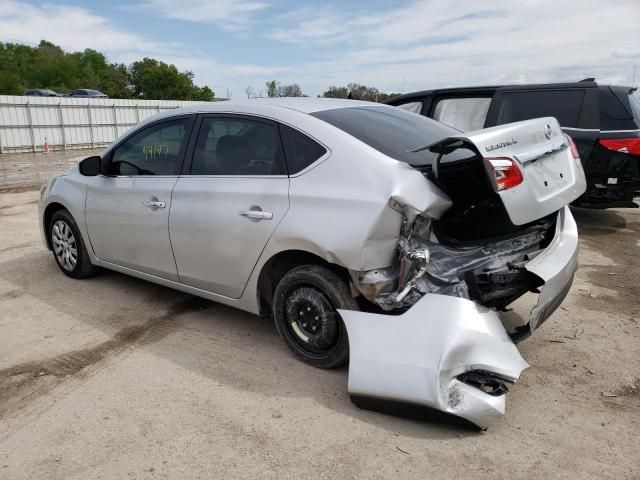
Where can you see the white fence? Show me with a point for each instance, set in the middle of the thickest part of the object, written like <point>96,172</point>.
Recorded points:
<point>27,123</point>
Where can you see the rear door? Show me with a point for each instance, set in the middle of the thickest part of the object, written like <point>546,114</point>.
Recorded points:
<point>232,195</point>
<point>575,106</point>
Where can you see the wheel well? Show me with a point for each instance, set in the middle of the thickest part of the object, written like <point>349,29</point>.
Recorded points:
<point>48,213</point>
<point>277,266</point>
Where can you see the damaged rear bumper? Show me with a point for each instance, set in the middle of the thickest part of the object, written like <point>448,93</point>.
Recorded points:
<point>556,266</point>
<point>433,355</point>
<point>450,353</point>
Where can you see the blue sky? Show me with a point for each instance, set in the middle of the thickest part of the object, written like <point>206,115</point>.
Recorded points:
<point>393,45</point>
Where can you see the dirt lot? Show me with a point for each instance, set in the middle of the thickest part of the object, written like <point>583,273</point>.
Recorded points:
<point>113,377</point>
<point>20,170</point>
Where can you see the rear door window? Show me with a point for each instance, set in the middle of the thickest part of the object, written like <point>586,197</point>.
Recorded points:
<point>564,105</point>
<point>465,114</point>
<point>230,145</point>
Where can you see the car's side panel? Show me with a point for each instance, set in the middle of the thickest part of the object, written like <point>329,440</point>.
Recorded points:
<point>70,191</point>
<point>215,246</point>
<point>125,231</point>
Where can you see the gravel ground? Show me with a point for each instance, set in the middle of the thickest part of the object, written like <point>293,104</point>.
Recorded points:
<point>23,171</point>
<point>114,377</point>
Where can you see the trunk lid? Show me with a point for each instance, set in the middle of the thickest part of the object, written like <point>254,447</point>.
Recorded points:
<point>551,176</point>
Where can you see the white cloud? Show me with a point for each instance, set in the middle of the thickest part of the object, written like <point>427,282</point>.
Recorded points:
<point>421,44</point>
<point>235,15</point>
<point>72,28</point>
<point>450,43</point>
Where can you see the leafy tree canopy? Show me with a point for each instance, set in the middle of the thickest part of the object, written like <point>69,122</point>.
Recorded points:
<point>358,92</point>
<point>47,66</point>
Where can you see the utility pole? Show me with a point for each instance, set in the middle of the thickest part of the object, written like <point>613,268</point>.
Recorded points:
<point>403,84</point>
<point>633,80</point>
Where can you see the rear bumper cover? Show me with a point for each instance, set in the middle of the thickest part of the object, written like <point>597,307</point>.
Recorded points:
<point>556,266</point>
<point>416,358</point>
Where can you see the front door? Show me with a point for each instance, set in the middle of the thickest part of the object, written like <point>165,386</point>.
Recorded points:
<point>127,210</point>
<point>224,210</point>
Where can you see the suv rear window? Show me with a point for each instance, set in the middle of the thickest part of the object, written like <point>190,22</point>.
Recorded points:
<point>389,130</point>
<point>618,106</point>
<point>565,105</point>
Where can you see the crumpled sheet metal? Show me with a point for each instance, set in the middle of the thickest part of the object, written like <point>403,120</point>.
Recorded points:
<point>556,266</point>
<point>415,357</point>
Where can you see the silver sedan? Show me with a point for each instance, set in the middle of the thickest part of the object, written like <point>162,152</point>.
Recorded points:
<point>368,233</point>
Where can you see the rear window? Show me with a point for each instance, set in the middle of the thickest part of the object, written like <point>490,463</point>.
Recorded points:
<point>389,130</point>
<point>618,107</point>
<point>564,105</point>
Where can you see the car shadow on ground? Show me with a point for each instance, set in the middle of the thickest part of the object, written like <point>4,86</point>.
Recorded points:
<point>226,345</point>
<point>596,220</point>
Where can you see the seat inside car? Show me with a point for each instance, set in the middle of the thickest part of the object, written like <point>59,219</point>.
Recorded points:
<point>233,155</point>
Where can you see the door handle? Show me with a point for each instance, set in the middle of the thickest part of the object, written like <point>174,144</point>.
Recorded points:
<point>256,214</point>
<point>154,204</point>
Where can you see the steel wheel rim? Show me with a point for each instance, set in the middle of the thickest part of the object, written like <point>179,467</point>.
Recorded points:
<point>305,336</point>
<point>64,245</point>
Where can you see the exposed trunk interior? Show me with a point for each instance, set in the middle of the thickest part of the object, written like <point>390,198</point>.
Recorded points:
<point>477,213</point>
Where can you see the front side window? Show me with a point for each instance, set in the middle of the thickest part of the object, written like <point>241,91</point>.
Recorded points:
<point>465,114</point>
<point>564,105</point>
<point>153,151</point>
<point>237,146</point>
<point>413,107</point>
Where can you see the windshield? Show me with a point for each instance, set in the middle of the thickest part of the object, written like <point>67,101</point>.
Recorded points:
<point>390,130</point>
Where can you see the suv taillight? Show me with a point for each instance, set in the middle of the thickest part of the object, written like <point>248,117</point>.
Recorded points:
<point>624,145</point>
<point>503,173</point>
<point>572,146</point>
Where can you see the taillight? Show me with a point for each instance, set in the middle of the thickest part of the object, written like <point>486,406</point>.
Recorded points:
<point>503,173</point>
<point>624,145</point>
<point>572,146</point>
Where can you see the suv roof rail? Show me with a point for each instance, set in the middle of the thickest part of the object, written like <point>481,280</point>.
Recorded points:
<point>588,80</point>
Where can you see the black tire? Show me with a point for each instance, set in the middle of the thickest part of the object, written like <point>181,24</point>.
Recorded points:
<point>304,310</point>
<point>82,266</point>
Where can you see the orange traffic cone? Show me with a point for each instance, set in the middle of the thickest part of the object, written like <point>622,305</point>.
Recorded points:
<point>46,145</point>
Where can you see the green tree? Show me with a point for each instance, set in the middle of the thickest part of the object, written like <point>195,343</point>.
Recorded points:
<point>272,88</point>
<point>23,67</point>
<point>357,91</point>
<point>336,92</point>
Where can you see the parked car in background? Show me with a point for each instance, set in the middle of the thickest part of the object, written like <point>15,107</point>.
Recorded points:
<point>603,120</point>
<point>86,93</point>
<point>338,216</point>
<point>40,92</point>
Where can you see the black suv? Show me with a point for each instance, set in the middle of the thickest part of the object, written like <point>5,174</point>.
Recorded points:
<point>603,120</point>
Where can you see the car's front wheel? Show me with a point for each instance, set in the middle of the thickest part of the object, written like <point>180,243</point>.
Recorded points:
<point>305,308</point>
<point>68,248</point>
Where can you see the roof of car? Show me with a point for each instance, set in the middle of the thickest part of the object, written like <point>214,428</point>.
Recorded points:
<point>298,104</point>
<point>480,89</point>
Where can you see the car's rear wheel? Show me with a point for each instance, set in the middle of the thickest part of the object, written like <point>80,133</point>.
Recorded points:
<point>68,248</point>
<point>305,308</point>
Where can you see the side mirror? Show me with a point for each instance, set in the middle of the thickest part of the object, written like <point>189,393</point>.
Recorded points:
<point>90,167</point>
